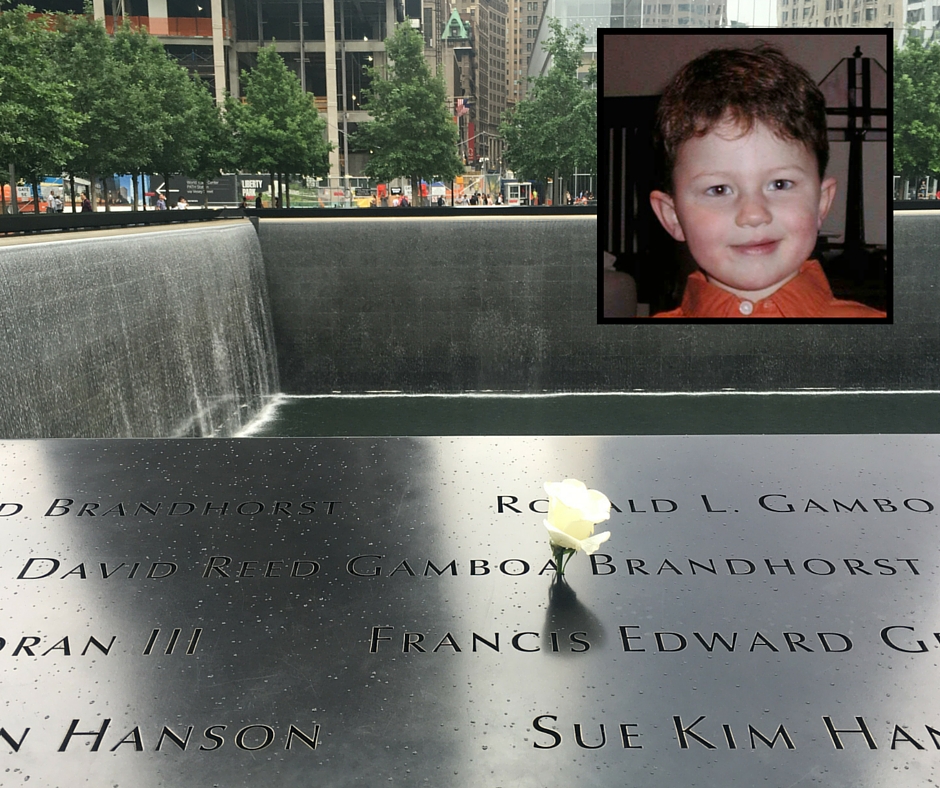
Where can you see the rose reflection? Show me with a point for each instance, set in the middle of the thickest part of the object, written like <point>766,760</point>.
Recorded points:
<point>567,616</point>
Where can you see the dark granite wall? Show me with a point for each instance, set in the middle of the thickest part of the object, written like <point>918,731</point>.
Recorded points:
<point>510,304</point>
<point>153,333</point>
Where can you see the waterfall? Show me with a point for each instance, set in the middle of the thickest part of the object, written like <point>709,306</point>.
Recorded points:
<point>154,333</point>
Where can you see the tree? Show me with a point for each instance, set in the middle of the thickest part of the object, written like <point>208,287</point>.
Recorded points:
<point>197,142</point>
<point>116,101</point>
<point>278,127</point>
<point>412,133</point>
<point>554,131</point>
<point>37,122</point>
<point>158,88</point>
<point>210,135</point>
<point>917,108</point>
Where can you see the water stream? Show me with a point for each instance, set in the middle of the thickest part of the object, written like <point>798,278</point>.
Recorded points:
<point>149,334</point>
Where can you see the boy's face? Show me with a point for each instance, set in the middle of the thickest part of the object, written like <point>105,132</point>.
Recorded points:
<point>749,206</point>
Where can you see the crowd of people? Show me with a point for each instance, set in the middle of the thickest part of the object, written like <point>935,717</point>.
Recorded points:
<point>159,201</point>
<point>56,204</point>
<point>584,198</point>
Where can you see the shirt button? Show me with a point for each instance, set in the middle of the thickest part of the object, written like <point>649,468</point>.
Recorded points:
<point>746,307</point>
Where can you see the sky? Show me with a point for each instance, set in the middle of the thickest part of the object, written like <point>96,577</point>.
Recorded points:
<point>755,13</point>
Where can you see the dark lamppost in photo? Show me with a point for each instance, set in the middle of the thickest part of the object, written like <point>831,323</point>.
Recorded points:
<point>856,103</point>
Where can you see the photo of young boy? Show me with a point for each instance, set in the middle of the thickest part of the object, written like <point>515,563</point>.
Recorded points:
<point>743,150</point>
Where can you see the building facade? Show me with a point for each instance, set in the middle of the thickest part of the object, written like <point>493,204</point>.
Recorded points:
<point>620,13</point>
<point>524,19</point>
<point>842,13</point>
<point>488,24</point>
<point>921,19</point>
<point>327,43</point>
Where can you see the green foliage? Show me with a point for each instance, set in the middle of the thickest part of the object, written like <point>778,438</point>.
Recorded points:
<point>917,108</point>
<point>209,134</point>
<point>278,127</point>
<point>126,106</point>
<point>156,89</point>
<point>555,129</point>
<point>37,122</point>
<point>412,133</point>
<point>118,93</point>
<point>74,98</point>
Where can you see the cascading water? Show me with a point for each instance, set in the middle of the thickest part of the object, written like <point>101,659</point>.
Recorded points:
<point>137,334</point>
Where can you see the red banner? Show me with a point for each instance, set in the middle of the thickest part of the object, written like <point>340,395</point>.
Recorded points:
<point>471,144</point>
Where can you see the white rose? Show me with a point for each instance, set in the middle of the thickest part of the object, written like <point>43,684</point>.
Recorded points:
<point>573,511</point>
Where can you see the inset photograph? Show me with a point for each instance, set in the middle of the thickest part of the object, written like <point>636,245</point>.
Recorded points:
<point>744,175</point>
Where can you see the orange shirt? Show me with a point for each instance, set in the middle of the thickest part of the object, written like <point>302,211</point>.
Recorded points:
<point>807,295</point>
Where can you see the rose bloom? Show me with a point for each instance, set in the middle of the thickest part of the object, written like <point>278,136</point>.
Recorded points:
<point>573,511</point>
<point>749,206</point>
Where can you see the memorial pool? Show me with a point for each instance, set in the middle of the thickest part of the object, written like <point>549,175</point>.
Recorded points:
<point>820,412</point>
<point>163,333</point>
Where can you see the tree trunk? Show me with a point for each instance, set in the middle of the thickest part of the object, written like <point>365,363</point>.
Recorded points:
<point>72,189</point>
<point>136,191</point>
<point>107,196</point>
<point>288,191</point>
<point>35,184</point>
<point>92,191</point>
<point>272,190</point>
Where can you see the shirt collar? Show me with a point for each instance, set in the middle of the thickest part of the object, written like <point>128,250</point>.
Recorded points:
<point>806,295</point>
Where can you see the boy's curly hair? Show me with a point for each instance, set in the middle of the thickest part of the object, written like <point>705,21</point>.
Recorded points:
<point>745,85</point>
